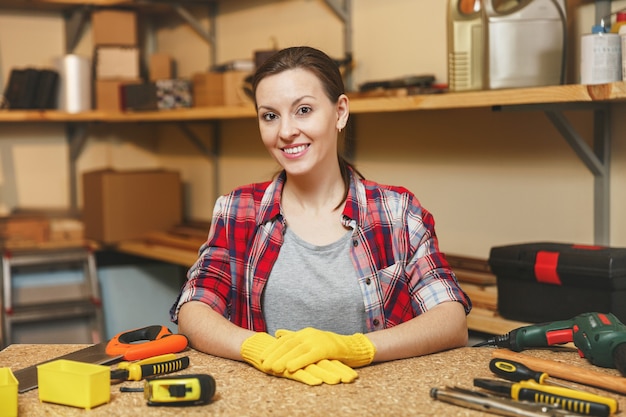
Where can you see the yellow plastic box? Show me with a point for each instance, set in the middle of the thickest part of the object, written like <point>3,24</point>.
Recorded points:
<point>74,383</point>
<point>8,393</point>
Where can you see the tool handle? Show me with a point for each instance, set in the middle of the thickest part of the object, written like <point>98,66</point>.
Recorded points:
<point>152,359</point>
<point>515,371</point>
<point>570,400</point>
<point>566,371</point>
<point>137,373</point>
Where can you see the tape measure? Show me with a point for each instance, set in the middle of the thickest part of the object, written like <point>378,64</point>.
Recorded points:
<point>181,390</point>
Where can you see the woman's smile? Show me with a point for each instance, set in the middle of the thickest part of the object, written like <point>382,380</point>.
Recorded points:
<point>295,150</point>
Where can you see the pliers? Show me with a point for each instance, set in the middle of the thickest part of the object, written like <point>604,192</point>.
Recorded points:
<point>497,405</point>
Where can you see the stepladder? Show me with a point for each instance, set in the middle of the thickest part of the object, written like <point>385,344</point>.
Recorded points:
<point>84,302</point>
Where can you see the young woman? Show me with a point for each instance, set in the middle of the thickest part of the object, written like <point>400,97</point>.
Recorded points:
<point>318,271</point>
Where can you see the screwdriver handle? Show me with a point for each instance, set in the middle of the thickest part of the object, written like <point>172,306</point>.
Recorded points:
<point>568,399</point>
<point>585,407</point>
<point>153,359</point>
<point>139,372</point>
<point>515,371</point>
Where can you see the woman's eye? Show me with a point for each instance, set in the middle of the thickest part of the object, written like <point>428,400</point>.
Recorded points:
<point>269,116</point>
<point>304,110</point>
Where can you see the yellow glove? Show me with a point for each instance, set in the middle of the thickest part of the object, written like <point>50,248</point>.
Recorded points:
<point>329,372</point>
<point>297,350</point>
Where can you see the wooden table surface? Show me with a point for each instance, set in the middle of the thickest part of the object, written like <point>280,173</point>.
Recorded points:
<point>398,388</point>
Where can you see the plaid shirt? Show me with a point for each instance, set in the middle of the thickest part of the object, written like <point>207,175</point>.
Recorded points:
<point>394,251</point>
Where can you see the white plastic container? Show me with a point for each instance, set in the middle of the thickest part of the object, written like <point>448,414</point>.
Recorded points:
<point>75,83</point>
<point>465,45</point>
<point>525,43</point>
<point>622,35</point>
<point>600,57</point>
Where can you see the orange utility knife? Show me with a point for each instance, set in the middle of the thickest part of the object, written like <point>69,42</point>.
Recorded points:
<point>146,342</point>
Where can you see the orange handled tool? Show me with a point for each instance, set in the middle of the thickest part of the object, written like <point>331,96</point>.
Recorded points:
<point>146,342</point>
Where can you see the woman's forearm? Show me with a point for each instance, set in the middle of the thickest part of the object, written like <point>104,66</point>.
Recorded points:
<point>441,328</point>
<point>209,332</point>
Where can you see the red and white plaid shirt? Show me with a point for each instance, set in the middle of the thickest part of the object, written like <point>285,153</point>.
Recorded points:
<point>395,254</point>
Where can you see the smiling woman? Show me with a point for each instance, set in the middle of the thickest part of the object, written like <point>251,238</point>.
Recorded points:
<point>319,270</point>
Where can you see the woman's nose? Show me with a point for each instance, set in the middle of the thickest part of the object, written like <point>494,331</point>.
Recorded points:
<point>288,129</point>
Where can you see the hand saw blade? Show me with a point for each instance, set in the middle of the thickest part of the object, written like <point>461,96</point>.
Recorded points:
<point>95,354</point>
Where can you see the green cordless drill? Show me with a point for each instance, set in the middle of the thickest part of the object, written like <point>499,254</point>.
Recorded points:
<point>601,338</point>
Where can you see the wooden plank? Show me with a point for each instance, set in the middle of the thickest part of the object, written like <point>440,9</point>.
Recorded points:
<point>173,241</point>
<point>471,270</point>
<point>482,296</point>
<point>490,322</point>
<point>169,254</point>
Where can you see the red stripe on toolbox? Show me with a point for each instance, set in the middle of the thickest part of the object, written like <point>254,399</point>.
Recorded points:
<point>545,267</point>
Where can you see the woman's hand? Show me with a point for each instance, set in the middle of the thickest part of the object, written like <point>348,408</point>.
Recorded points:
<point>296,350</point>
<point>322,371</point>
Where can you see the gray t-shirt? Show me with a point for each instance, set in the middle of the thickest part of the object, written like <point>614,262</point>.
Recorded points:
<point>314,286</point>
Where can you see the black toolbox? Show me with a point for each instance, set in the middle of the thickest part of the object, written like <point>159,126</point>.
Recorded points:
<point>545,281</point>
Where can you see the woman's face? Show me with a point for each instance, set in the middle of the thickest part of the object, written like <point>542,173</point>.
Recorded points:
<point>298,122</point>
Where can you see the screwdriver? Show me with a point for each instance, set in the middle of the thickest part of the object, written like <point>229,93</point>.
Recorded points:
<point>515,371</point>
<point>567,399</point>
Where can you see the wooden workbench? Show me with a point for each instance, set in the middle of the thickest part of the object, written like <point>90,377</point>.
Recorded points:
<point>399,388</point>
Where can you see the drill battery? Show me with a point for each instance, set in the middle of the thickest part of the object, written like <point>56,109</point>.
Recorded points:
<point>546,281</point>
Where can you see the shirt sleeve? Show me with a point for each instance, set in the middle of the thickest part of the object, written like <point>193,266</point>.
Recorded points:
<point>432,280</point>
<point>209,279</point>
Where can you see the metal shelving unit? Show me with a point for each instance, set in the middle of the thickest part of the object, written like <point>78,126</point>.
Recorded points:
<point>552,100</point>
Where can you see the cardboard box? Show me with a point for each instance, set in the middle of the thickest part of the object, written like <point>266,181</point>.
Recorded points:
<point>121,205</point>
<point>114,27</point>
<point>161,67</point>
<point>173,94</point>
<point>547,281</point>
<point>220,89</point>
<point>139,97</point>
<point>109,94</point>
<point>157,95</point>
<point>113,62</point>
<point>23,231</point>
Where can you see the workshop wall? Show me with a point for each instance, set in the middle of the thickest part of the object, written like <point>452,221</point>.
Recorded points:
<point>488,178</point>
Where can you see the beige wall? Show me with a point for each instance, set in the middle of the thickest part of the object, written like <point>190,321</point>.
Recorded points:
<point>488,178</point>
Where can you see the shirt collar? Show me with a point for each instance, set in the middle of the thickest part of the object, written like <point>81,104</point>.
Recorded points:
<point>270,206</point>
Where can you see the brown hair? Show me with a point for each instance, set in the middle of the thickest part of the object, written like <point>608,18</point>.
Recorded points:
<point>324,68</point>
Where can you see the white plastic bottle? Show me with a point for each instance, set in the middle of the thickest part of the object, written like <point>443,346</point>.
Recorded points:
<point>465,45</point>
<point>600,57</point>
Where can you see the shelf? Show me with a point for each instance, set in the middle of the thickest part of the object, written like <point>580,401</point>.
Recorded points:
<point>195,113</point>
<point>564,94</point>
<point>52,5</point>
<point>572,93</point>
<point>70,4</point>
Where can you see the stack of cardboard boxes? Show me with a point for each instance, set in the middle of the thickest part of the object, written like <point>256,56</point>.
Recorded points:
<point>120,86</point>
<point>40,230</point>
<point>116,58</point>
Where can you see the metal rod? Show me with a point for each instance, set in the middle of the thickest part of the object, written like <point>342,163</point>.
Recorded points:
<point>77,137</point>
